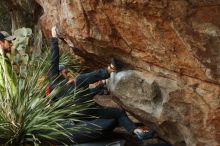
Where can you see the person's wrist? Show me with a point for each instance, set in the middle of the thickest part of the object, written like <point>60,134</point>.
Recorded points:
<point>54,32</point>
<point>54,35</point>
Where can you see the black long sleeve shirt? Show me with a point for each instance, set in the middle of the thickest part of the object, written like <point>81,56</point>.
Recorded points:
<point>55,79</point>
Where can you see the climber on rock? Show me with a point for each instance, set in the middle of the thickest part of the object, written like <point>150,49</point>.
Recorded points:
<point>58,76</point>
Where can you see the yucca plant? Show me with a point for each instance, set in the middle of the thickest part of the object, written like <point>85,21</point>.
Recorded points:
<point>30,118</point>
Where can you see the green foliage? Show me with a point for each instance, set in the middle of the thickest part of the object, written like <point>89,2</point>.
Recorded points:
<point>20,54</point>
<point>65,59</point>
<point>70,63</point>
<point>29,118</point>
<point>22,37</point>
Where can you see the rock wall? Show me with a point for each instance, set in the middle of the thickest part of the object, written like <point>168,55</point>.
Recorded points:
<point>5,21</point>
<point>172,42</point>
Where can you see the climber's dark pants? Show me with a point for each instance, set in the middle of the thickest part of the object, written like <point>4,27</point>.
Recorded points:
<point>118,115</point>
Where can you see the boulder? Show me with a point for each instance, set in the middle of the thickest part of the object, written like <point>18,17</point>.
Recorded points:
<point>182,111</point>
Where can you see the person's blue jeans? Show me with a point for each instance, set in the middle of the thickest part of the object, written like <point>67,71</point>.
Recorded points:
<point>119,115</point>
<point>83,80</point>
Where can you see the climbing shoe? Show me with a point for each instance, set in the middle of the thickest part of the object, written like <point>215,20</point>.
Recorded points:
<point>144,135</point>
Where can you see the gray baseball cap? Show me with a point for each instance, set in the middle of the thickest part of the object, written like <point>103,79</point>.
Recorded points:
<point>6,36</point>
<point>61,67</point>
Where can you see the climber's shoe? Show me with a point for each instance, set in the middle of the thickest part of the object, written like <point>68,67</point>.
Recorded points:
<point>144,135</point>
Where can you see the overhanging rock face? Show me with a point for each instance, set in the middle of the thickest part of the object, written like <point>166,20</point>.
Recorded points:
<point>181,36</point>
<point>172,43</point>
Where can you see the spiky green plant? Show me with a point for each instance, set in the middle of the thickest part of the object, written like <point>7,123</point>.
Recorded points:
<point>29,117</point>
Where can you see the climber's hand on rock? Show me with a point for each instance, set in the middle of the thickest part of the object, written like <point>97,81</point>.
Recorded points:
<point>54,31</point>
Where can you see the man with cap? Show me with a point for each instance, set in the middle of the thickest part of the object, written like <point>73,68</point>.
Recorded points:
<point>6,41</point>
<point>7,77</point>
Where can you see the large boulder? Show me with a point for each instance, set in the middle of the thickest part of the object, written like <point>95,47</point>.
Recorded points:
<point>183,112</point>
